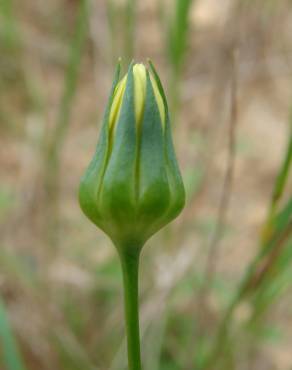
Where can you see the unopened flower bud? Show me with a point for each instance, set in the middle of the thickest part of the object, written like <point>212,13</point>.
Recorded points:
<point>133,186</point>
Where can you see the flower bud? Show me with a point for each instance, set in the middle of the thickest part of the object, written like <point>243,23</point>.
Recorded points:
<point>133,187</point>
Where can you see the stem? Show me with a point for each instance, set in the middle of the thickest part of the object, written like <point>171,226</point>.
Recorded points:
<point>175,93</point>
<point>130,267</point>
<point>129,31</point>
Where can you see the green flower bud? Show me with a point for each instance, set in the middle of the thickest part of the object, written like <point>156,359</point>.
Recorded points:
<point>133,186</point>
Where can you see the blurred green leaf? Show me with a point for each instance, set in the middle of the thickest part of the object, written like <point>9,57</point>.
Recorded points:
<point>11,356</point>
<point>279,188</point>
<point>7,200</point>
<point>272,334</point>
<point>8,28</point>
<point>178,30</point>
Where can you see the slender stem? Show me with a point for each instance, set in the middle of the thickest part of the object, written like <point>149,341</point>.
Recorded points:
<point>130,267</point>
<point>175,93</point>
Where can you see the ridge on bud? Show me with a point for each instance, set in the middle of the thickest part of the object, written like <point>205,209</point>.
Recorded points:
<point>133,187</point>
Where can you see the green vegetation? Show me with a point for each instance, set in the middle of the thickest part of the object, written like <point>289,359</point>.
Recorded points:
<point>11,357</point>
<point>61,301</point>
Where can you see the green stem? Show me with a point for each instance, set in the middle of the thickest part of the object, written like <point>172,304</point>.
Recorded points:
<point>130,267</point>
<point>175,94</point>
<point>129,36</point>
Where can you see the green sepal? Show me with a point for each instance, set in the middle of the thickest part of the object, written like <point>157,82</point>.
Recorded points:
<point>118,191</point>
<point>173,173</point>
<point>174,177</point>
<point>160,88</point>
<point>90,184</point>
<point>154,192</point>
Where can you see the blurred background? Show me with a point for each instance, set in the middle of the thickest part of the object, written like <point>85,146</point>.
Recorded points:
<point>215,285</point>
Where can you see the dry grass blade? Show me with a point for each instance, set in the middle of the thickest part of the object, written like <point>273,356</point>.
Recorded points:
<point>213,249</point>
<point>279,188</point>
<point>255,276</point>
